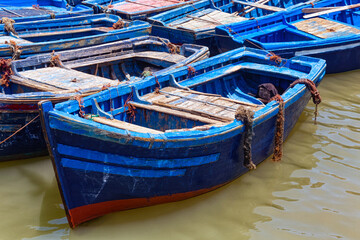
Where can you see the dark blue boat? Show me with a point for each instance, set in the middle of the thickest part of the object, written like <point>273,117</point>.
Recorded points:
<point>85,71</point>
<point>134,9</point>
<point>69,33</point>
<point>173,136</point>
<point>195,23</point>
<point>332,34</point>
<point>32,10</point>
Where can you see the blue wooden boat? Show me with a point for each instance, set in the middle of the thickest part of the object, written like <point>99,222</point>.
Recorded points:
<point>32,10</point>
<point>85,71</point>
<point>69,33</point>
<point>61,34</point>
<point>173,136</point>
<point>195,23</point>
<point>134,9</point>
<point>330,30</point>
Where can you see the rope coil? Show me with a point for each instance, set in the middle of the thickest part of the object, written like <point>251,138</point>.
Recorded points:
<point>246,116</point>
<point>173,48</point>
<point>315,94</point>
<point>279,131</point>
<point>191,71</point>
<point>6,71</point>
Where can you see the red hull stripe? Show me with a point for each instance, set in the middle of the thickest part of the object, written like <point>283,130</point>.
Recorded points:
<point>85,213</point>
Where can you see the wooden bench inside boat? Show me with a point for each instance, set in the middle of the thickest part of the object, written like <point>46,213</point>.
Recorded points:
<point>325,28</point>
<point>143,56</point>
<point>209,109</point>
<point>55,79</point>
<point>212,106</point>
<point>208,18</point>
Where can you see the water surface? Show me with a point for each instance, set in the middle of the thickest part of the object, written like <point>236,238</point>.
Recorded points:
<point>313,193</point>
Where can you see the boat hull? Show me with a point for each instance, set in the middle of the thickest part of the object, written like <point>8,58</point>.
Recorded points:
<point>100,172</point>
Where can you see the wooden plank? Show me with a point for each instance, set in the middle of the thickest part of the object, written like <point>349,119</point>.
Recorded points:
<point>337,9</point>
<point>66,79</point>
<point>171,111</point>
<point>125,125</point>
<point>324,28</point>
<point>249,9</point>
<point>209,20</point>
<point>54,32</point>
<point>314,10</point>
<point>256,5</point>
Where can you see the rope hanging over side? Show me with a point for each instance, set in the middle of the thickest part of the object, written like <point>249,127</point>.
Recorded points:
<point>6,71</point>
<point>246,116</point>
<point>15,49</point>
<point>9,25</point>
<point>279,131</point>
<point>54,60</point>
<point>118,25</point>
<point>315,94</point>
<point>131,108</point>
<point>80,101</point>
<point>158,86</point>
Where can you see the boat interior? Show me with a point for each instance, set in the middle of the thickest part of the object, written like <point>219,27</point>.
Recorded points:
<point>185,103</point>
<point>211,13</point>
<point>297,27</point>
<point>95,67</point>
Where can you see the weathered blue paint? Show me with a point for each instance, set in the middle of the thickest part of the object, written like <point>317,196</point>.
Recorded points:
<point>69,33</point>
<point>18,102</point>
<point>32,10</point>
<point>206,158</point>
<point>341,50</point>
<point>163,24</point>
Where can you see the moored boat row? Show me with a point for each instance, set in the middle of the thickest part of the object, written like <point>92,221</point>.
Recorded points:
<point>132,120</point>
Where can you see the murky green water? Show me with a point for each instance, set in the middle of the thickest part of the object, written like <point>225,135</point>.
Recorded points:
<point>314,193</point>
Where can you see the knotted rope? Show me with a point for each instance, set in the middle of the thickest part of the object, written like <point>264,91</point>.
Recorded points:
<point>173,48</point>
<point>118,25</point>
<point>54,60</point>
<point>8,25</point>
<point>315,94</point>
<point>275,58</point>
<point>191,71</point>
<point>6,71</point>
<point>279,131</point>
<point>158,86</point>
<point>246,116</point>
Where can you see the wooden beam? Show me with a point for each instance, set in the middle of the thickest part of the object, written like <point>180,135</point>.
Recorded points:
<point>314,10</point>
<point>125,125</point>
<point>256,5</point>
<point>336,9</point>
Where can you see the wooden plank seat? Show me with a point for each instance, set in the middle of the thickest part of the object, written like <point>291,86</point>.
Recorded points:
<point>207,105</point>
<point>324,28</point>
<point>160,56</point>
<point>65,79</point>
<point>208,18</point>
<point>124,125</point>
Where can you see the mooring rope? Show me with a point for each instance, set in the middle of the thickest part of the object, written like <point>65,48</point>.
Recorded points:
<point>246,116</point>
<point>6,71</point>
<point>279,131</point>
<point>19,129</point>
<point>15,49</point>
<point>54,60</point>
<point>315,94</point>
